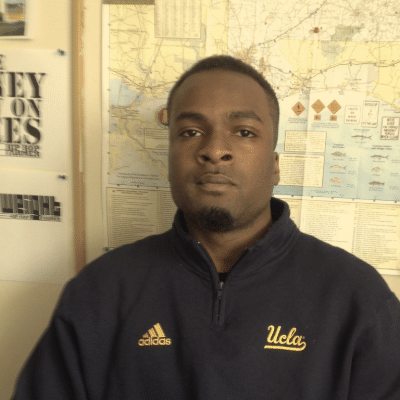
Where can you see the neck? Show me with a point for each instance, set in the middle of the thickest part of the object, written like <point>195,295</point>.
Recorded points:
<point>227,247</point>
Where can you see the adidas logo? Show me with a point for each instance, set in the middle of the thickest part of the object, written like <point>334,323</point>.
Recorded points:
<point>155,336</point>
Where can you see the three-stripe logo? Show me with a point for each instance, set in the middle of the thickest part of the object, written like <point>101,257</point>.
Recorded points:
<point>155,336</point>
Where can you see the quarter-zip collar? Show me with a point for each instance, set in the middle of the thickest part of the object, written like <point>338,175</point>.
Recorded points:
<point>271,248</point>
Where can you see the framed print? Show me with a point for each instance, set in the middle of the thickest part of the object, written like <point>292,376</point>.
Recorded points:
<point>15,19</point>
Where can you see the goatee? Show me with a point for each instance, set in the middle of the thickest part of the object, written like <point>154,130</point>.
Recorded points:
<point>214,219</point>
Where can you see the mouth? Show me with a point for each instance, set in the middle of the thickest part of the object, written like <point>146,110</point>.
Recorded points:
<point>215,184</point>
<point>214,180</point>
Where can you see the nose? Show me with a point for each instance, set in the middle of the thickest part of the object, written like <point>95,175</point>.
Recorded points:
<point>215,149</point>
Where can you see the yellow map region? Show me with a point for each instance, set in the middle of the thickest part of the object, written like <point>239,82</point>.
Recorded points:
<point>151,65</point>
<point>372,68</point>
<point>301,47</point>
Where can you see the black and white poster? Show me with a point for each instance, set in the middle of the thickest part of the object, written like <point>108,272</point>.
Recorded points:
<point>34,109</point>
<point>35,227</point>
<point>35,164</point>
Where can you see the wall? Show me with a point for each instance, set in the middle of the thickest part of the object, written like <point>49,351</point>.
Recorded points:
<point>25,307</point>
<point>93,129</point>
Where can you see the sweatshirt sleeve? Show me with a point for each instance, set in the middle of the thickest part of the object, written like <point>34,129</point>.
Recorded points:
<point>54,370</point>
<point>72,359</point>
<point>376,362</point>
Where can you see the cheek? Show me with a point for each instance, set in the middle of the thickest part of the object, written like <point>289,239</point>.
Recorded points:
<point>180,151</point>
<point>187,155</point>
<point>245,160</point>
<point>179,164</point>
<point>263,175</point>
<point>257,164</point>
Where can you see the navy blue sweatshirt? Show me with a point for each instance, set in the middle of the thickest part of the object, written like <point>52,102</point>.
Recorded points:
<point>295,319</point>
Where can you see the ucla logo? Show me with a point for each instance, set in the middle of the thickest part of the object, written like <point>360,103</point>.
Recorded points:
<point>291,341</point>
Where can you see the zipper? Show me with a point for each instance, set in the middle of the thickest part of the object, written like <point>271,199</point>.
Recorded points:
<point>219,298</point>
<point>217,320</point>
<point>217,304</point>
<point>219,294</point>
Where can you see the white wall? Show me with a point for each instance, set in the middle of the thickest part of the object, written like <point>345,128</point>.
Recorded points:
<point>25,307</point>
<point>93,129</point>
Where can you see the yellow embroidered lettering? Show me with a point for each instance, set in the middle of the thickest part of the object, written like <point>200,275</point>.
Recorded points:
<point>291,334</point>
<point>289,342</point>
<point>282,339</point>
<point>271,328</point>
<point>155,336</point>
<point>275,339</point>
<point>302,344</point>
<point>296,340</point>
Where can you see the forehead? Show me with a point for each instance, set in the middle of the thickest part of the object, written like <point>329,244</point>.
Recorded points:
<point>220,89</point>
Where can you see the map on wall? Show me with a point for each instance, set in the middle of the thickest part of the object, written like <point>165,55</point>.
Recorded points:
<point>334,64</point>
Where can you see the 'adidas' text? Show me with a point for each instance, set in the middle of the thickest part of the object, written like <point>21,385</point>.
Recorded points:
<point>155,342</point>
<point>155,336</point>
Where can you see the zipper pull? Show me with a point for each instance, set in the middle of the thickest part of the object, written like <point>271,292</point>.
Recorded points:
<point>219,294</point>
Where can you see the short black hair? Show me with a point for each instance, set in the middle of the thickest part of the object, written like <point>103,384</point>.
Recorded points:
<point>228,63</point>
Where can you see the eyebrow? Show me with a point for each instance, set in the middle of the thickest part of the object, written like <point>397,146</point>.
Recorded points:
<point>232,115</point>
<point>244,114</point>
<point>191,115</point>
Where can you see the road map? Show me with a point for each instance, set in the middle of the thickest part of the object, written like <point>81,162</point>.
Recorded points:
<point>335,66</point>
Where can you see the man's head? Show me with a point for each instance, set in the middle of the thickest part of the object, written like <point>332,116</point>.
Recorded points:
<point>222,165</point>
<point>228,63</point>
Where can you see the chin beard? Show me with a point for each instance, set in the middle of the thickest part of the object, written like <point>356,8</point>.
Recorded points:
<point>214,219</point>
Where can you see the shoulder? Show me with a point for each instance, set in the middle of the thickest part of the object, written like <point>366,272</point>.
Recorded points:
<point>121,272</point>
<point>341,273</point>
<point>142,254</point>
<point>333,260</point>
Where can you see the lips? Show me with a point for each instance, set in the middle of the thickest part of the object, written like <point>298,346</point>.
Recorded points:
<point>215,179</point>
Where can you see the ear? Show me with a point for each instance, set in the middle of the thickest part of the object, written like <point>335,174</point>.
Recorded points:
<point>276,169</point>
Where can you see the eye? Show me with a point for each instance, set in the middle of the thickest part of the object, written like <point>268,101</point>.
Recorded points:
<point>190,133</point>
<point>245,133</point>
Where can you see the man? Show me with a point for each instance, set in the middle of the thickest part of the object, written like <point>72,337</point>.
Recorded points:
<point>234,302</point>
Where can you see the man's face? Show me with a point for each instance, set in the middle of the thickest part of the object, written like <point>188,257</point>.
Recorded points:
<point>221,147</point>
